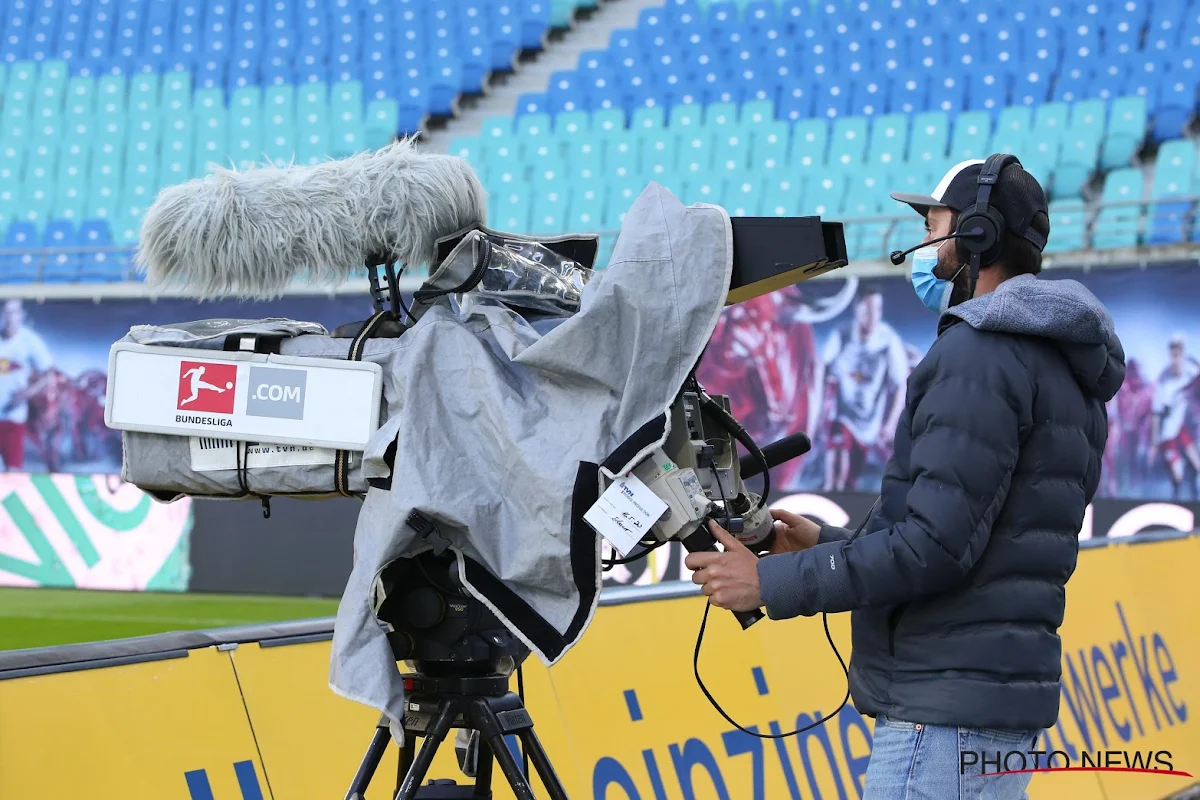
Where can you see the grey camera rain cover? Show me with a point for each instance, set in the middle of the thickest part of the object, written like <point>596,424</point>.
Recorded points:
<point>498,429</point>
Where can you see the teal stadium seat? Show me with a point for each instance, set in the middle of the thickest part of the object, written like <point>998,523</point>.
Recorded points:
<point>548,210</point>
<point>621,194</point>
<point>781,197</point>
<point>534,128</point>
<point>930,138</point>
<point>1012,129</point>
<point>572,123</point>
<point>848,142</point>
<point>656,151</point>
<point>1117,226</point>
<point>511,211</point>
<point>707,187</point>
<point>1126,130</point>
<point>80,99</point>
<point>685,115</point>
<point>71,186</point>
<point>646,119</point>
<point>381,122</point>
<point>279,124</point>
<point>824,196</point>
<point>1068,226</point>
<point>696,151</point>
<point>212,131</point>
<point>720,117</point>
<point>810,142</point>
<point>743,198</point>
<point>970,137</point>
<point>889,140</point>
<point>756,113</point>
<point>348,133</point>
<point>1174,182</point>
<point>608,121</point>
<point>732,152</point>
<point>585,207</point>
<point>769,144</point>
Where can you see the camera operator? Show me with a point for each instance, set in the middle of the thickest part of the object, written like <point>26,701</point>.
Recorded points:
<point>957,581</point>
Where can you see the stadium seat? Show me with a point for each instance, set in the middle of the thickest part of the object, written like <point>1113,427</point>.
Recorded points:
<point>21,267</point>
<point>1174,176</point>
<point>1117,223</point>
<point>145,94</point>
<point>970,137</point>
<point>60,265</point>
<point>1068,226</point>
<point>1125,133</point>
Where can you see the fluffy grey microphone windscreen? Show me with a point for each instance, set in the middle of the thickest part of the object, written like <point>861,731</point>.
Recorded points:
<point>250,233</point>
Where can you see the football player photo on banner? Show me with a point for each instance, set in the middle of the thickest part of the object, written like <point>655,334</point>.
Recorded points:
<point>54,372</point>
<point>831,357</point>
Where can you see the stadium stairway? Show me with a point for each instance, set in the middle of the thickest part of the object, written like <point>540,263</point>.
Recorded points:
<point>562,54</point>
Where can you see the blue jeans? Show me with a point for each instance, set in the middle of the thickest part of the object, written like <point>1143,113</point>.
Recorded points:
<point>910,761</point>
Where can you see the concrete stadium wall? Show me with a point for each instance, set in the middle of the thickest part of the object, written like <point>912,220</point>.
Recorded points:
<point>246,713</point>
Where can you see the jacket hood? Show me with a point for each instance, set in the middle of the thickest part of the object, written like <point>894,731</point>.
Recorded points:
<point>1062,310</point>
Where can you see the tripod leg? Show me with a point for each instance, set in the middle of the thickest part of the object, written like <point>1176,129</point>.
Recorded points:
<point>483,775</point>
<point>541,762</point>
<point>433,739</point>
<point>510,767</point>
<point>370,762</point>
<point>405,762</point>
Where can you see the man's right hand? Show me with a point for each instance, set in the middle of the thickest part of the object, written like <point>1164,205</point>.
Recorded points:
<point>793,532</point>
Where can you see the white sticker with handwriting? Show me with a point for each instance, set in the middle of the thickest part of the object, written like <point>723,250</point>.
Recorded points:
<point>625,513</point>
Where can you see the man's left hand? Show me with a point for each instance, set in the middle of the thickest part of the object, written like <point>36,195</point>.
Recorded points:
<point>730,579</point>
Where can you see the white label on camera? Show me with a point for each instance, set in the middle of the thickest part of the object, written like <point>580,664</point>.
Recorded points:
<point>625,513</point>
<point>215,455</point>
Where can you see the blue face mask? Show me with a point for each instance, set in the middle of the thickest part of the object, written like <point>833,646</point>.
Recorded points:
<point>934,292</point>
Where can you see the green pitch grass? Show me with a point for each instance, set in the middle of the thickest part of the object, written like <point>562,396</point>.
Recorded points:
<point>43,617</point>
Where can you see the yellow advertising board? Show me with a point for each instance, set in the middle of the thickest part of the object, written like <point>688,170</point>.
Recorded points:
<point>171,729</point>
<point>622,716</point>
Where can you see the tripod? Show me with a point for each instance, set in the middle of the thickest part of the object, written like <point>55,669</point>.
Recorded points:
<point>454,698</point>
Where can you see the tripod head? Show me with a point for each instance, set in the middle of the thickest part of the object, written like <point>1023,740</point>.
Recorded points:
<point>438,625</point>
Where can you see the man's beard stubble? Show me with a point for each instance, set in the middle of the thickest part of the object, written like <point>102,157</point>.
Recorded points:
<point>949,269</point>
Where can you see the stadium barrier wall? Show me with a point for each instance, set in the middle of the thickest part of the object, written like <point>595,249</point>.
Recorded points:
<point>246,713</point>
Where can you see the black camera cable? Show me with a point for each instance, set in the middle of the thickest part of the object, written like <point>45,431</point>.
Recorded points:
<point>828,637</point>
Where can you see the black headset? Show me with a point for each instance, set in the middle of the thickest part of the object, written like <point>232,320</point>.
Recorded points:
<point>981,229</point>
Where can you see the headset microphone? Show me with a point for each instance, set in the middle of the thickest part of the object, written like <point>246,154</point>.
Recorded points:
<point>898,255</point>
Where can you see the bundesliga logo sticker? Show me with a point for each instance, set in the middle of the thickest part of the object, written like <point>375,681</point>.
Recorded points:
<point>207,387</point>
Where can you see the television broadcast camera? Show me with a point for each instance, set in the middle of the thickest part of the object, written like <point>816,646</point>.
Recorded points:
<point>520,403</point>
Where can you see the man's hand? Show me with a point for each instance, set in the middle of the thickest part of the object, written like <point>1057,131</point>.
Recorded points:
<point>793,532</point>
<point>730,579</point>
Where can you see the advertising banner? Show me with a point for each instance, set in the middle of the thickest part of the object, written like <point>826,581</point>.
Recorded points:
<point>1105,519</point>
<point>90,532</point>
<point>622,716</point>
<point>831,357</point>
<point>54,366</point>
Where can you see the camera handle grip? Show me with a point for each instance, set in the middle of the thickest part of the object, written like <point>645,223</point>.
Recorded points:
<point>701,541</point>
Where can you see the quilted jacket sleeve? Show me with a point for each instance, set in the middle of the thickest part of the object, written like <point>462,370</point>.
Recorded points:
<point>969,405</point>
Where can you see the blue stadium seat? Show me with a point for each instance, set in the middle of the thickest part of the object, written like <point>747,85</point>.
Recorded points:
<point>60,265</point>
<point>22,267</point>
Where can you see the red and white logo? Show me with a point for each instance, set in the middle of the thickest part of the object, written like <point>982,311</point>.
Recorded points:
<point>207,387</point>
